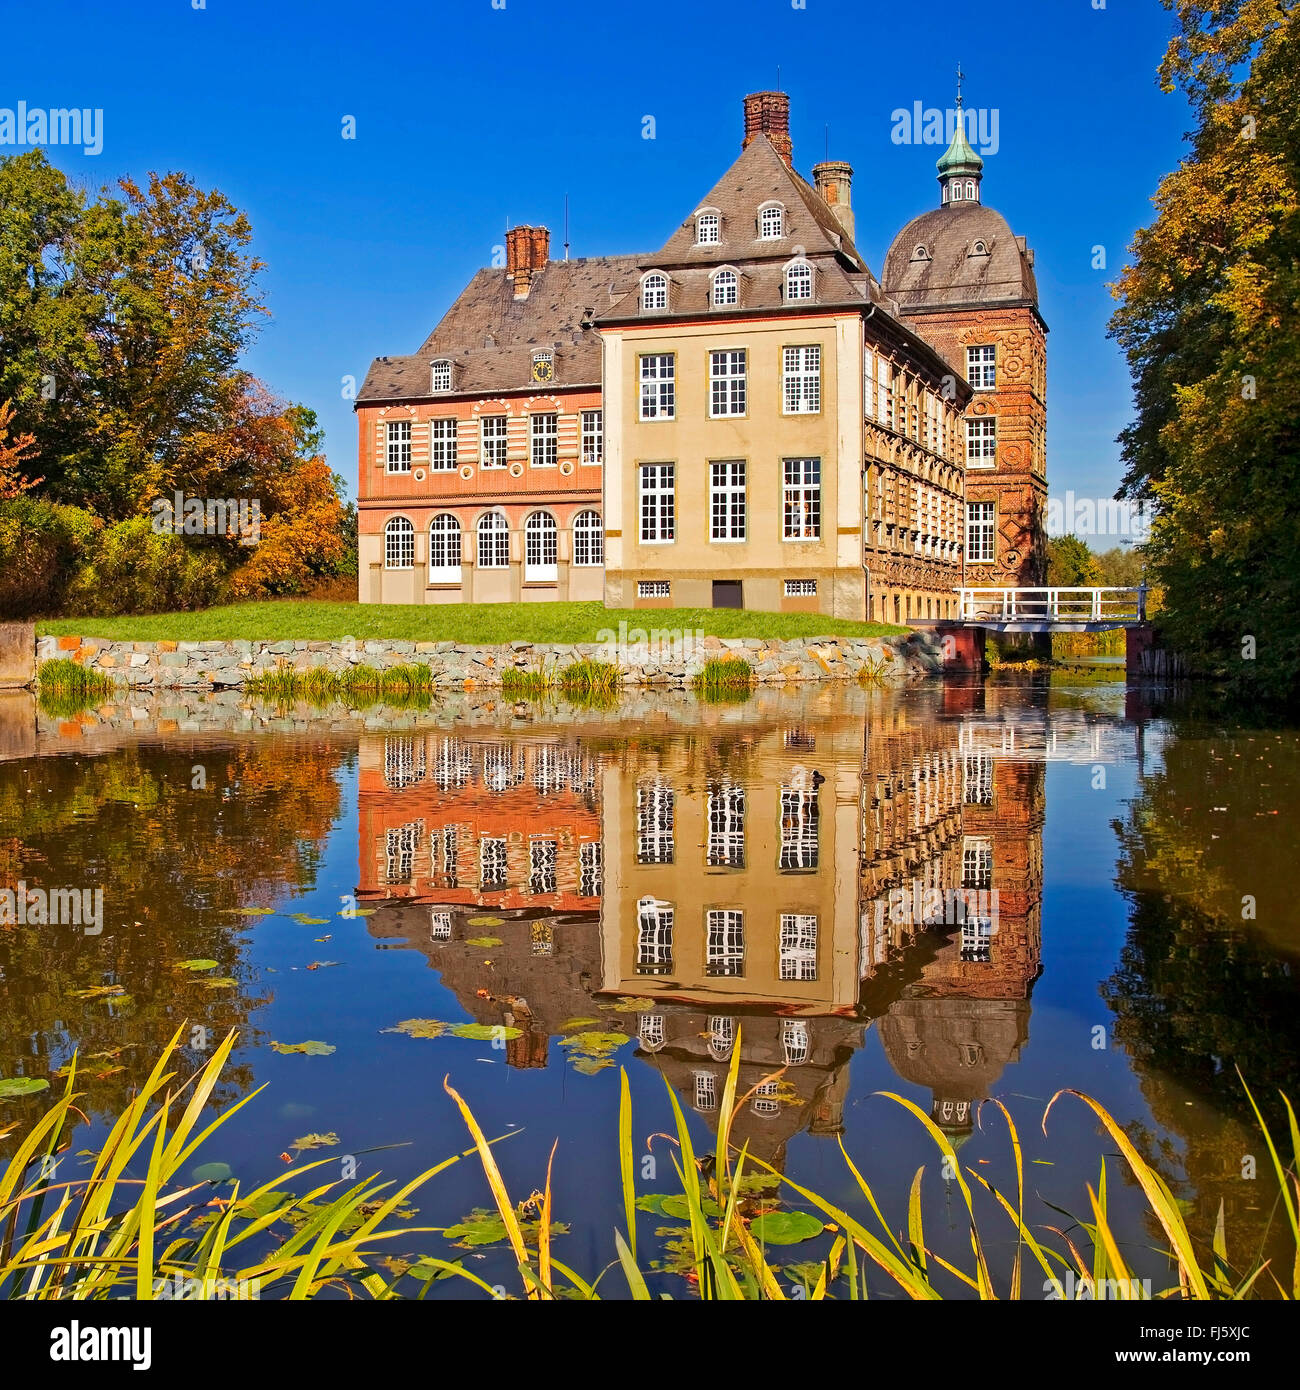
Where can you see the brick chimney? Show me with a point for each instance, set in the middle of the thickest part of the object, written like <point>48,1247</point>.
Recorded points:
<point>768,113</point>
<point>833,179</point>
<point>527,251</point>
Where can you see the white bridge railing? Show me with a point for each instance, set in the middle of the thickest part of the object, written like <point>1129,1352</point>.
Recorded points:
<point>1055,605</point>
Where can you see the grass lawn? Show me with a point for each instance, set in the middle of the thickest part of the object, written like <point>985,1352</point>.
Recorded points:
<point>483,623</point>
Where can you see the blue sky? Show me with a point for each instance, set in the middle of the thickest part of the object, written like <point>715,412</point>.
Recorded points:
<point>468,116</point>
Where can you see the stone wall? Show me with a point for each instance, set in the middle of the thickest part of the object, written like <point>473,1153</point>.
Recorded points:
<point>228,664</point>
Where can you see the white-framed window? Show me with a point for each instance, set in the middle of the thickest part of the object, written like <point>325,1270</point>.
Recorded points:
<point>444,549</point>
<point>658,503</point>
<point>724,950</point>
<point>541,866</point>
<point>765,1100</point>
<point>708,229</point>
<point>981,441</point>
<point>771,222</point>
<point>441,376</point>
<point>541,548</point>
<point>726,815</point>
<point>801,588</point>
<point>798,946</point>
<point>399,544</point>
<point>977,940</point>
<point>650,1032</point>
<point>706,1091</point>
<point>591,869</point>
<point>802,500</point>
<point>588,539</point>
<point>795,1045</point>
<point>955,191</point>
<point>658,386</point>
<point>885,393</point>
<point>501,769</point>
<point>442,445</point>
<point>654,588</point>
<point>453,765</point>
<point>439,926</point>
<point>654,291</point>
<point>450,878</point>
<point>970,190</point>
<point>492,861</point>
<point>404,762</point>
<point>727,382</point>
<point>868,383</point>
<point>727,501</point>
<point>976,862</point>
<point>977,778</point>
<point>800,830</point>
<point>726,288</point>
<point>545,432</point>
<point>981,366</point>
<point>593,436</point>
<point>801,380</point>
<point>493,429</point>
<point>401,845</point>
<point>399,446</point>
<point>722,1036</point>
<point>654,937</point>
<point>799,281</point>
<point>980,527</point>
<point>493,541</point>
<point>655,809</point>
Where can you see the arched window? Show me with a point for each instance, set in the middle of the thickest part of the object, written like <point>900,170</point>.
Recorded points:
<point>708,229</point>
<point>771,221</point>
<point>799,281</point>
<point>979,249</point>
<point>722,1037</point>
<point>970,190</point>
<point>399,544</point>
<point>493,542</point>
<point>540,547</point>
<point>444,549</point>
<point>441,376</point>
<point>588,539</point>
<point>956,191</point>
<point>651,1032</point>
<point>725,287</point>
<point>654,291</point>
<point>920,254</point>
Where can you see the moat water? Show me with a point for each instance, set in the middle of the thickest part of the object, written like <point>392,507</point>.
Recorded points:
<point>955,893</point>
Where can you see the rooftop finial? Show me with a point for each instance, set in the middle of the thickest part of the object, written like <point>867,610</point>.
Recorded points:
<point>960,77</point>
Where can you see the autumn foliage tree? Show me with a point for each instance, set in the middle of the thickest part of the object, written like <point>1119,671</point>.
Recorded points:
<point>1209,318</point>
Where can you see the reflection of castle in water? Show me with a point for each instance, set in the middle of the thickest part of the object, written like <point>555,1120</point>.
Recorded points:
<point>742,884</point>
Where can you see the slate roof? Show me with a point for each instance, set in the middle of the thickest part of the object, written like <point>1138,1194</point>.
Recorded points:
<point>951,276</point>
<point>490,336</point>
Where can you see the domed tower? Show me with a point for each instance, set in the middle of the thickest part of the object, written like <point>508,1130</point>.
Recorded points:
<point>965,282</point>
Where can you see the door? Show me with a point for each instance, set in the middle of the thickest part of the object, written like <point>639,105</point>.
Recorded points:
<point>728,593</point>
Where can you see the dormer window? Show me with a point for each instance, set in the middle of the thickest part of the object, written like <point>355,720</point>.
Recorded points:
<point>771,222</point>
<point>441,378</point>
<point>979,249</point>
<point>798,281</point>
<point>726,289</point>
<point>920,254</point>
<point>708,229</point>
<point>543,366</point>
<point>654,291</point>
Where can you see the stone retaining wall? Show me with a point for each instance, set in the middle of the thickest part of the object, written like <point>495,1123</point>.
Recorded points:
<point>228,664</point>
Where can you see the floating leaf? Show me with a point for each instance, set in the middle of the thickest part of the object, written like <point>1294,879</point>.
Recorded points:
<point>593,1052</point>
<point>570,1024</point>
<point>635,1005</point>
<point>98,992</point>
<point>484,1227</point>
<point>316,1141</point>
<point>486,921</point>
<point>212,1172</point>
<point>784,1227</point>
<point>221,982</point>
<point>311,1047</point>
<point>251,911</point>
<point>304,920</point>
<point>22,1086</point>
<point>678,1207</point>
<point>419,1028</point>
<point>358,912</point>
<point>484,1031</point>
<point>195,965</point>
<point>483,941</point>
<point>323,938</point>
<point>323,964</point>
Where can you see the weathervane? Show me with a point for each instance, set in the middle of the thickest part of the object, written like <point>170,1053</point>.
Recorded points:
<point>960,76</point>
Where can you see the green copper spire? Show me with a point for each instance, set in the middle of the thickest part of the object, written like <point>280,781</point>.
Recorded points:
<point>960,165</point>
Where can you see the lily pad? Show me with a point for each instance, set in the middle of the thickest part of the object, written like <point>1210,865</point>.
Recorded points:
<point>419,1028</point>
<point>221,982</point>
<point>630,1006</point>
<point>784,1227</point>
<point>485,1227</point>
<point>591,1052</point>
<point>196,965</point>
<point>484,1031</point>
<point>212,1172</point>
<point>251,911</point>
<point>311,1047</point>
<point>98,992</point>
<point>486,921</point>
<point>316,1141</point>
<point>358,912</point>
<point>304,920</point>
<point>483,941</point>
<point>571,1024</point>
<point>22,1086</point>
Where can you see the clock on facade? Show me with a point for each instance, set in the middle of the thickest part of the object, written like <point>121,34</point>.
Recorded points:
<point>543,367</point>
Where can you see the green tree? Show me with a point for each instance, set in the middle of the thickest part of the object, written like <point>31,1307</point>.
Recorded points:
<point>1071,563</point>
<point>1208,319</point>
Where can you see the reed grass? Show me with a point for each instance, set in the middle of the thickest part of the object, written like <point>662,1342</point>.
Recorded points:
<point>586,682</point>
<point>318,685</point>
<point>65,689</point>
<point>724,679</point>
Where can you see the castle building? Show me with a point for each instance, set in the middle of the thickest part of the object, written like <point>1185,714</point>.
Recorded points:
<point>744,418</point>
